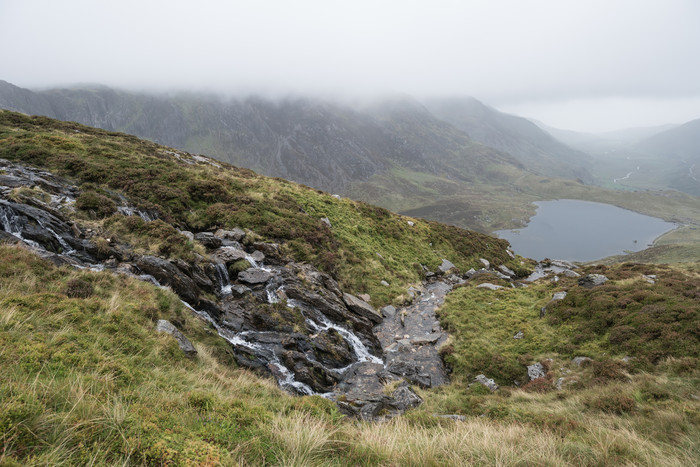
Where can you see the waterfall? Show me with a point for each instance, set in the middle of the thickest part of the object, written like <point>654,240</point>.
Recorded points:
<point>224,280</point>
<point>360,350</point>
<point>286,381</point>
<point>11,223</point>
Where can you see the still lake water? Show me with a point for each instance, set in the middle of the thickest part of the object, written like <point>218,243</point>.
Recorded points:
<point>583,231</point>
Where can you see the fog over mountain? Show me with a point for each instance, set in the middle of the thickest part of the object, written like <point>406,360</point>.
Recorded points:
<point>586,66</point>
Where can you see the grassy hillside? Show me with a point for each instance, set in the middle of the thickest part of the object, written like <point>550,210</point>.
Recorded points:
<point>364,244</point>
<point>88,381</point>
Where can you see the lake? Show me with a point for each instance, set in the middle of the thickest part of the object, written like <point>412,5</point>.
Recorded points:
<point>583,231</point>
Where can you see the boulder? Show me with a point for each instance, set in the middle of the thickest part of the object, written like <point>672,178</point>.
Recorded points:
<point>403,398</point>
<point>185,345</point>
<point>559,296</point>
<point>507,271</point>
<point>326,221</point>
<point>578,361</point>
<point>570,273</point>
<point>485,262</point>
<point>536,371</point>
<point>254,276</point>
<point>519,335</point>
<point>229,254</point>
<point>489,286</point>
<point>362,308</point>
<point>592,280</point>
<point>488,382</point>
<point>235,235</point>
<point>208,239</point>
<point>445,267</point>
<point>168,274</point>
<point>388,311</point>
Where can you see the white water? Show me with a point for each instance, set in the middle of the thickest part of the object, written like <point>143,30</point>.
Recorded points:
<point>355,343</point>
<point>287,379</point>
<point>224,280</point>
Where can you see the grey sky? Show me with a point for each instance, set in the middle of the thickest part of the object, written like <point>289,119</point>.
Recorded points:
<point>586,64</point>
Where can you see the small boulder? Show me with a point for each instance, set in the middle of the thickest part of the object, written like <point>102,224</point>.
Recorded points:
<point>362,308</point>
<point>592,280</point>
<point>404,398</point>
<point>519,335</point>
<point>490,286</point>
<point>389,311</point>
<point>488,382</point>
<point>254,276</point>
<point>506,270</point>
<point>384,283</point>
<point>411,223</point>
<point>326,221</point>
<point>485,262</point>
<point>570,273</point>
<point>235,235</point>
<point>208,239</point>
<point>578,361</point>
<point>184,343</point>
<point>445,267</point>
<point>536,371</point>
<point>470,273</point>
<point>559,295</point>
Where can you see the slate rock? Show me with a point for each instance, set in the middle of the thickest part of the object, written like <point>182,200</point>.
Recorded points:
<point>490,286</point>
<point>362,308</point>
<point>445,266</point>
<point>488,382</point>
<point>592,280</point>
<point>208,239</point>
<point>404,398</point>
<point>254,276</point>
<point>580,360</point>
<point>184,343</point>
<point>506,270</point>
<point>535,371</point>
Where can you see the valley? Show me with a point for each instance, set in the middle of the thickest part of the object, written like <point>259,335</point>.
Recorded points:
<point>271,289</point>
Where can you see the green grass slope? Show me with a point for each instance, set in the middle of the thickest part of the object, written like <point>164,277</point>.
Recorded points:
<point>363,246</point>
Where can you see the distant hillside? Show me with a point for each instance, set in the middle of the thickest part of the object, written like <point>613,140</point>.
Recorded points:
<point>518,136</point>
<point>682,142</point>
<point>317,143</point>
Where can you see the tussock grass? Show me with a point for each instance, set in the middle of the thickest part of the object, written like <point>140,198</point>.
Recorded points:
<point>87,381</point>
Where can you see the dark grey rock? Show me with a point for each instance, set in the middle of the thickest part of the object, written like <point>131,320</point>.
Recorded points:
<point>507,271</point>
<point>388,311</point>
<point>208,239</point>
<point>166,273</point>
<point>592,280</point>
<point>182,341</point>
<point>254,276</point>
<point>362,308</point>
<point>404,398</point>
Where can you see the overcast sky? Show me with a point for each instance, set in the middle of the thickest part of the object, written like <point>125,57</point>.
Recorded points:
<point>588,65</point>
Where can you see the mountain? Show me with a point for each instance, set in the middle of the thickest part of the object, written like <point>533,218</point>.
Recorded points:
<point>394,152</point>
<point>681,142</point>
<point>163,308</point>
<point>321,144</point>
<point>600,142</point>
<point>517,136</point>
